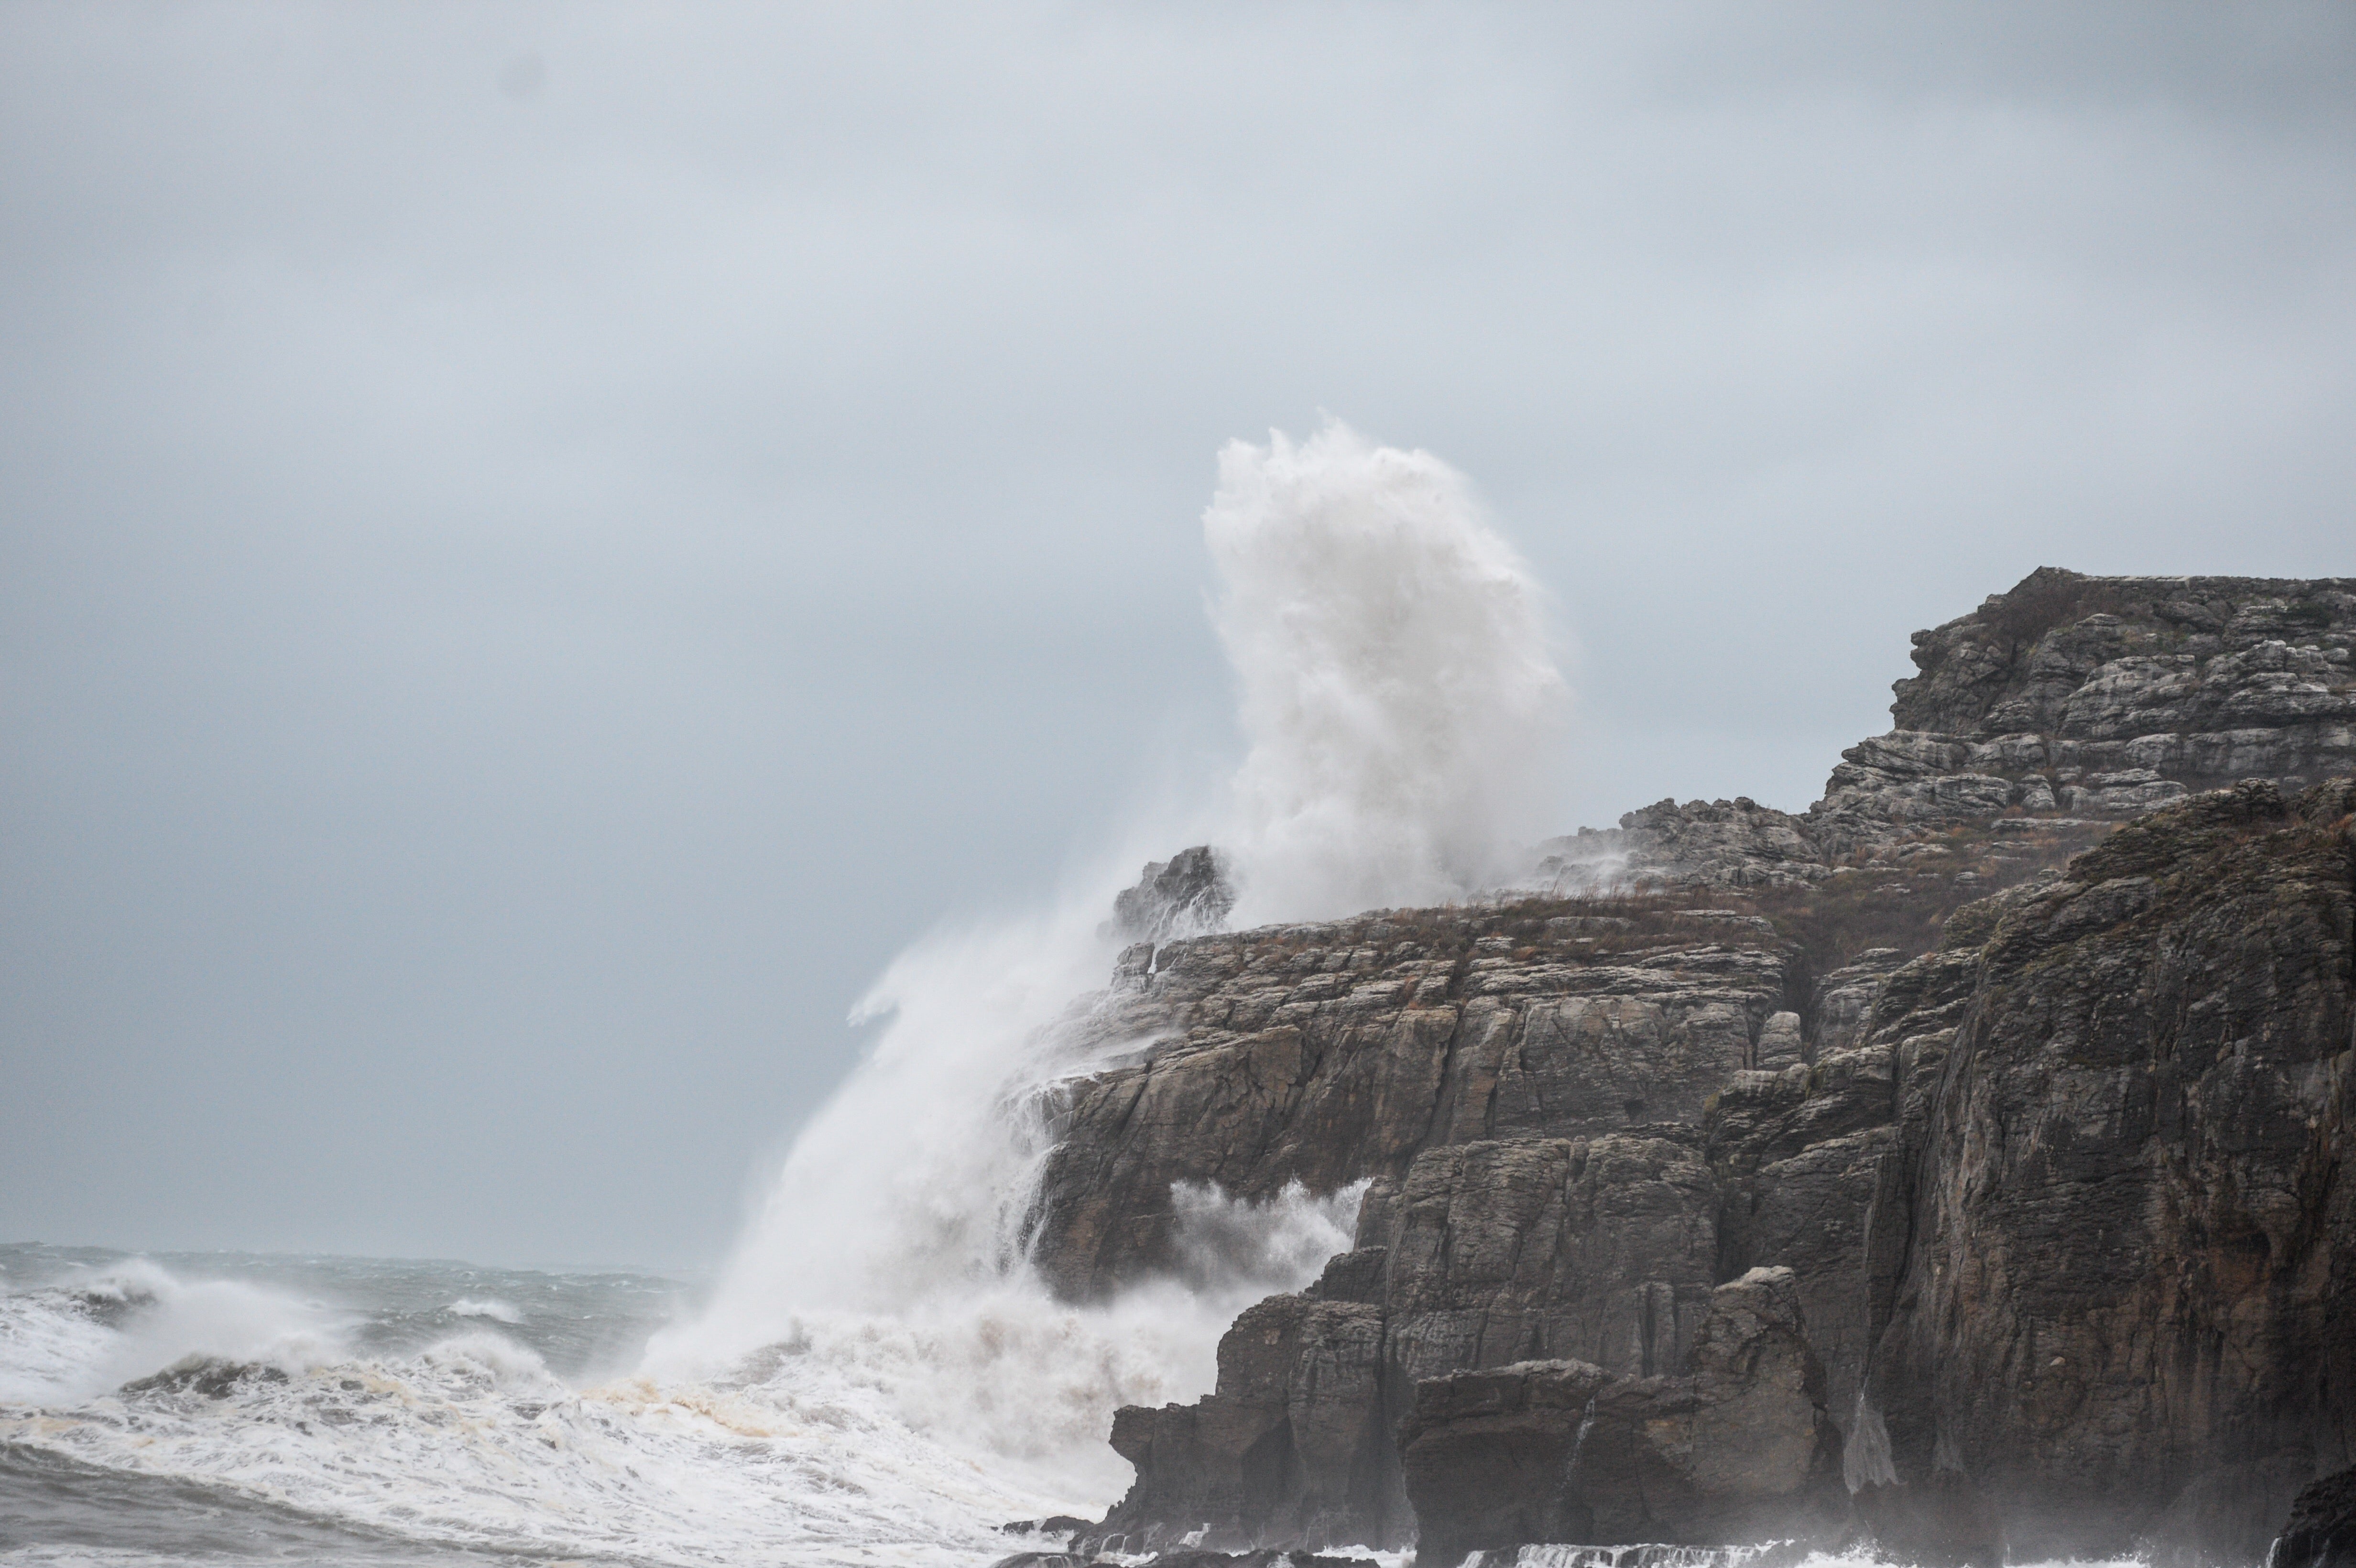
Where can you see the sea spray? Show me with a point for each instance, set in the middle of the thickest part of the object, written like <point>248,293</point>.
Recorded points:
<point>1402,714</point>
<point>1394,675</point>
<point>877,1374</point>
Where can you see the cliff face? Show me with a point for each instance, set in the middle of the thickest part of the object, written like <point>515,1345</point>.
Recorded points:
<point>2038,1125</point>
<point>2122,1247</point>
<point>1335,1052</point>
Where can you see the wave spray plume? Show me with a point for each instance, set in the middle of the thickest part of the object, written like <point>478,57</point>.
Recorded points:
<point>1401,713</point>
<point>1402,704</point>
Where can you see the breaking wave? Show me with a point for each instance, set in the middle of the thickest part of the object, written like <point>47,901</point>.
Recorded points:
<point>877,1374</point>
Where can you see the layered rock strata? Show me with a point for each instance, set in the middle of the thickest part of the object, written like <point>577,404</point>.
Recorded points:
<point>1739,1448</point>
<point>1330,1053</point>
<point>2114,1251</point>
<point>2051,1183</point>
<point>2069,698</point>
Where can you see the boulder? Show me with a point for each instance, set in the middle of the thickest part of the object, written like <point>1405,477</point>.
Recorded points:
<point>1737,1450</point>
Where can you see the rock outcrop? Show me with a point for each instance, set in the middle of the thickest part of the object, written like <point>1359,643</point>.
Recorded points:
<point>2070,700</point>
<point>2105,697</point>
<point>2021,1136</point>
<point>1336,1052</point>
<point>1188,893</point>
<point>1739,1448</point>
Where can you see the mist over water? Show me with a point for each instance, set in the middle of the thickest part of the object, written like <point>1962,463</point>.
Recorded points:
<point>877,1359</point>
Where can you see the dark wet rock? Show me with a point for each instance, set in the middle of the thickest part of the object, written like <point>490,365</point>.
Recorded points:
<point>1736,1449</point>
<point>2117,1237</point>
<point>2321,1531</point>
<point>209,1376</point>
<point>1062,1524</point>
<point>1292,1446</point>
<point>1186,895</point>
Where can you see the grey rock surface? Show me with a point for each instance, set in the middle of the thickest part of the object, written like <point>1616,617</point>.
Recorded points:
<point>2115,1248</point>
<point>1189,892</point>
<point>1739,1448</point>
<point>2048,1156</point>
<point>1337,1052</point>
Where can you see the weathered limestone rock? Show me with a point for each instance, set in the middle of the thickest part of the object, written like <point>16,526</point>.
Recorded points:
<point>1487,1254</point>
<point>1739,1448</point>
<point>1731,844</point>
<point>2060,1176</point>
<point>1292,1447</point>
<point>2105,697</point>
<point>1780,1043</point>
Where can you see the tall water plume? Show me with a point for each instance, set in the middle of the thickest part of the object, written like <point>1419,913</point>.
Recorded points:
<point>1395,681</point>
<point>1400,710</point>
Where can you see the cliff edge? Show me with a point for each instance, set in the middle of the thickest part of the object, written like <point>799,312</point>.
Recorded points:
<point>1963,1163</point>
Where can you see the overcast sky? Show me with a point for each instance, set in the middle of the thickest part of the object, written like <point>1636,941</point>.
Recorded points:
<point>540,545</point>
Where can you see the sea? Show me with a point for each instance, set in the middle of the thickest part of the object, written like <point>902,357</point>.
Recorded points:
<point>226,1409</point>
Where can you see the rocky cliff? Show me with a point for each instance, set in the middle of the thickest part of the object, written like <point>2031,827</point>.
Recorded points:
<point>1988,1153</point>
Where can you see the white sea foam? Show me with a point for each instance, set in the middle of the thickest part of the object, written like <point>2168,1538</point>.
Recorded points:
<point>497,1311</point>
<point>1401,710</point>
<point>68,1342</point>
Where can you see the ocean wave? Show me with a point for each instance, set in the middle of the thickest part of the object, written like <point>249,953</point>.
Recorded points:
<point>497,1311</point>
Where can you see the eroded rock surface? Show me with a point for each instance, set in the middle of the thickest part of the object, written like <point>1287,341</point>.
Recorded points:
<point>1331,1053</point>
<point>2048,1166</point>
<point>2070,702</point>
<point>2321,1531</point>
<point>1739,1448</point>
<point>2121,1227</point>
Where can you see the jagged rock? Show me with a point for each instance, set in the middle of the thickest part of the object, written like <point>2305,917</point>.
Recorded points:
<point>2321,1531</point>
<point>2108,696</point>
<point>1841,998</point>
<point>1182,896</point>
<point>212,1377</point>
<point>1062,1524</point>
<point>1290,1447</point>
<point>2120,1223</point>
<point>2093,698</point>
<point>2101,1114</point>
<point>1330,1053</point>
<point>1488,1254</point>
<point>1733,843</point>
<point>1738,1449</point>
